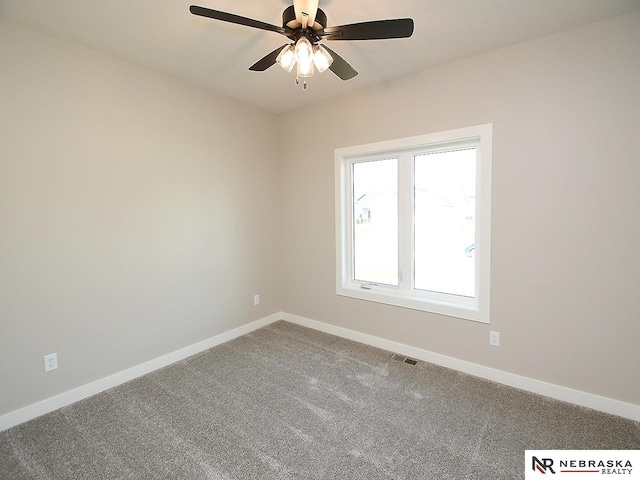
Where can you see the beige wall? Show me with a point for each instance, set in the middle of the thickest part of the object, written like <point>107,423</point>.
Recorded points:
<point>135,214</point>
<point>566,229</point>
<point>140,214</point>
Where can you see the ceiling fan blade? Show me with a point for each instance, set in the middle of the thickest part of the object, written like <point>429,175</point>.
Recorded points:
<point>340,66</point>
<point>231,18</point>
<point>376,30</point>
<point>266,61</point>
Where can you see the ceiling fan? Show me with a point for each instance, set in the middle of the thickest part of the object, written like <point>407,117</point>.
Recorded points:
<point>305,25</point>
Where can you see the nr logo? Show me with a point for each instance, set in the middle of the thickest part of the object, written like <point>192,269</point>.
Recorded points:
<point>542,465</point>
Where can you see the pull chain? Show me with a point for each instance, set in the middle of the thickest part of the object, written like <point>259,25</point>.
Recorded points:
<point>304,82</point>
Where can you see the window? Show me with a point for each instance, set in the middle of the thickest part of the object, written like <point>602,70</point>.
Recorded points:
<point>413,222</point>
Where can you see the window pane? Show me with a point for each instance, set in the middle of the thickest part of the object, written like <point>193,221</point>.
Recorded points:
<point>375,221</point>
<point>445,206</point>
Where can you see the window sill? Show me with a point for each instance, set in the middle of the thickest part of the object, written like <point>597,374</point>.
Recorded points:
<point>450,309</point>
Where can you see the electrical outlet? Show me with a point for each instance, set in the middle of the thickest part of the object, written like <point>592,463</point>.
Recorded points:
<point>256,299</point>
<point>494,339</point>
<point>50,362</point>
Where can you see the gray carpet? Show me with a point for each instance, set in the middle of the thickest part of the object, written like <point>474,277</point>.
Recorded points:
<point>286,402</point>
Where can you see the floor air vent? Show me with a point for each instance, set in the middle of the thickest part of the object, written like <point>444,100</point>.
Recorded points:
<point>403,359</point>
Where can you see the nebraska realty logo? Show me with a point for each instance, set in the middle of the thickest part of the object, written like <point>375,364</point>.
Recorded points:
<point>582,463</point>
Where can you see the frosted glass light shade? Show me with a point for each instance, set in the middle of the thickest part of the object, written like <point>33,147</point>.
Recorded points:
<point>304,51</point>
<point>305,70</point>
<point>287,58</point>
<point>321,58</point>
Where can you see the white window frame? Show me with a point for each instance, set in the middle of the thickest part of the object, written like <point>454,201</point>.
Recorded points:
<point>476,308</point>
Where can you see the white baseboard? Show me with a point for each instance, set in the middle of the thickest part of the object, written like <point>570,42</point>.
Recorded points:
<point>596,402</point>
<point>577,397</point>
<point>47,405</point>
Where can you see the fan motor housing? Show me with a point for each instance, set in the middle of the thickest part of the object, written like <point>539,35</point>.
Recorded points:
<point>289,19</point>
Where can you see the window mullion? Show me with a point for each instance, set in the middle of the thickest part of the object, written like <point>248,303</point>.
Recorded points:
<point>405,222</point>
<point>349,221</point>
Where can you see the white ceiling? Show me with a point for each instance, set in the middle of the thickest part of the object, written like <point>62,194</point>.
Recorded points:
<point>163,35</point>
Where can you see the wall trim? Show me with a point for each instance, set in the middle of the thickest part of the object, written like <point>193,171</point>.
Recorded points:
<point>584,399</point>
<point>577,397</point>
<point>50,404</point>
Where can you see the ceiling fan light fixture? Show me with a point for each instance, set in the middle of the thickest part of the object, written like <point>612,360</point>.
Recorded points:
<point>305,70</point>
<point>304,24</point>
<point>287,58</point>
<point>321,58</point>
<point>304,51</point>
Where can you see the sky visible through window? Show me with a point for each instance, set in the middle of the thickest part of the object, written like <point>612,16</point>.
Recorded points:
<point>375,205</point>
<point>444,223</point>
<point>445,204</point>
